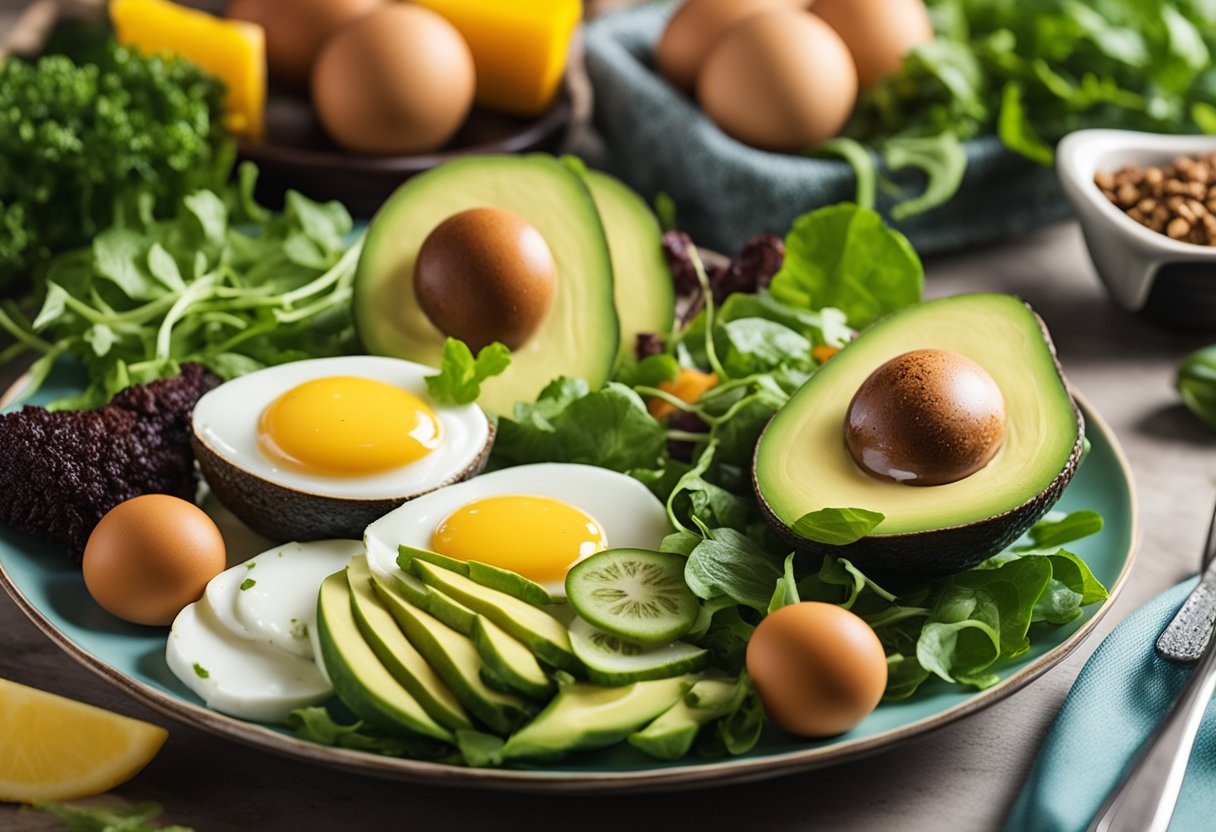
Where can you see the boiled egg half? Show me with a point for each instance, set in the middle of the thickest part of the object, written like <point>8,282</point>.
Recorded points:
<point>535,520</point>
<point>320,448</point>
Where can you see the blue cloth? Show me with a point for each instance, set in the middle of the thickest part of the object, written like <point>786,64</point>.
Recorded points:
<point>1120,696</point>
<point>658,140</point>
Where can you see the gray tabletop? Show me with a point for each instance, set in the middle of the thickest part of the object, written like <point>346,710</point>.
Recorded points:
<point>965,775</point>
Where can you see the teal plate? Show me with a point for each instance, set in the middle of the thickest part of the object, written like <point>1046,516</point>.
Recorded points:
<point>50,591</point>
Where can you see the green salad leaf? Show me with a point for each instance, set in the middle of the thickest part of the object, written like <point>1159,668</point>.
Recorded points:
<point>460,375</point>
<point>837,526</point>
<point>846,257</point>
<point>83,143</point>
<point>729,563</point>
<point>211,284</point>
<point>610,428</point>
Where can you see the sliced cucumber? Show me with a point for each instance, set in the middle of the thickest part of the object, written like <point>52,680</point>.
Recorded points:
<point>634,594</point>
<point>611,661</point>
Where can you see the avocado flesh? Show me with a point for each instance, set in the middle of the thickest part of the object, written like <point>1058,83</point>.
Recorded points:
<point>454,658</point>
<point>590,716</point>
<point>359,679</point>
<point>495,577</point>
<point>672,734</point>
<point>407,666</point>
<point>645,294</point>
<point>544,635</point>
<point>803,465</point>
<point>578,337</point>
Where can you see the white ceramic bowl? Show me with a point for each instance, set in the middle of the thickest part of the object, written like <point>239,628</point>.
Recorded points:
<point>1140,267</point>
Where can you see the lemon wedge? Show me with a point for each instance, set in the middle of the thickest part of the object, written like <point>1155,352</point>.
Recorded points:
<point>52,748</point>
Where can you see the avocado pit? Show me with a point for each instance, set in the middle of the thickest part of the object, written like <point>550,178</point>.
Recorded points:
<point>926,417</point>
<point>485,274</point>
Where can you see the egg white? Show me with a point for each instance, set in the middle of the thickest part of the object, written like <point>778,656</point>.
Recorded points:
<point>226,419</point>
<point>630,516</point>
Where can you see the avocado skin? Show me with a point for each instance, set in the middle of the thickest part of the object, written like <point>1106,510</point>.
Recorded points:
<point>282,513</point>
<point>951,549</point>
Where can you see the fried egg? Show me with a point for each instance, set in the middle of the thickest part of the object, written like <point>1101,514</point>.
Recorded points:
<point>320,448</point>
<point>536,520</point>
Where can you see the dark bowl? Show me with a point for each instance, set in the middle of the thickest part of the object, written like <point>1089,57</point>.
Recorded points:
<point>298,154</point>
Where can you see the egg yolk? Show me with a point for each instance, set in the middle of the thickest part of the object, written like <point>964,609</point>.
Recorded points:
<point>348,426</point>
<point>538,537</point>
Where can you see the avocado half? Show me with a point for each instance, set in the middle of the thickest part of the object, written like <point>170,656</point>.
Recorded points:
<point>582,334</point>
<point>802,465</point>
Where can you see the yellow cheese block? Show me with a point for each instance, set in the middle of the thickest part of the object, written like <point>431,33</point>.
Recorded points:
<point>519,47</point>
<point>232,50</point>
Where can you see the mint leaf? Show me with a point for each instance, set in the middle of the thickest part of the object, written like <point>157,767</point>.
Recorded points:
<point>837,526</point>
<point>460,375</point>
<point>844,256</point>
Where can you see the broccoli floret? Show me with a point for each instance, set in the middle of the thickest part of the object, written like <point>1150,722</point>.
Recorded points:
<point>60,472</point>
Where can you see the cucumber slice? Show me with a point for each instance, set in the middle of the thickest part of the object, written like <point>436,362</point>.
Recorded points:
<point>611,661</point>
<point>634,594</point>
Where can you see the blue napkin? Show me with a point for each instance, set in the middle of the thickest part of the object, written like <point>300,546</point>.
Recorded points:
<point>658,140</point>
<point>1121,695</point>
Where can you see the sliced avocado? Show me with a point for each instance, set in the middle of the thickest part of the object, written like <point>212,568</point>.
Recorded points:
<point>591,716</point>
<point>455,660</point>
<point>412,591</point>
<point>645,294</point>
<point>671,735</point>
<point>542,633</point>
<point>802,463</point>
<point>495,577</point>
<point>579,335</point>
<point>380,631</point>
<point>358,677</point>
<point>509,661</point>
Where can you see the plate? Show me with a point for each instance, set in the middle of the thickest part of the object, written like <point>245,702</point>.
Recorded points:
<point>297,153</point>
<point>49,590</point>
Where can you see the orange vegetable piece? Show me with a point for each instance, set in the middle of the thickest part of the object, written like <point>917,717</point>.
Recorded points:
<point>822,352</point>
<point>690,385</point>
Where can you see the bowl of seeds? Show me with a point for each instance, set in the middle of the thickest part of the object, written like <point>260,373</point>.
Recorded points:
<point>1147,208</point>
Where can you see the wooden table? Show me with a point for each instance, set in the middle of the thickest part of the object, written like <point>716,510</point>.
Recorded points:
<point>963,777</point>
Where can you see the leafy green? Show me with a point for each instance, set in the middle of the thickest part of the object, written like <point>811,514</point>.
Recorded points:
<point>127,818</point>
<point>859,158</point>
<point>786,592</point>
<point>1030,73</point>
<point>460,375</point>
<point>316,724</point>
<point>81,144</point>
<point>1196,383</point>
<point>728,563</point>
<point>211,284</point>
<point>1057,528</point>
<point>610,428</point>
<point>845,257</point>
<point>940,157</point>
<point>837,526</point>
<point>479,750</point>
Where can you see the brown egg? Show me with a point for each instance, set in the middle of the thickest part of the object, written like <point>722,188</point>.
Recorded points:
<point>878,32</point>
<point>296,30</point>
<point>819,669</point>
<point>696,27</point>
<point>485,275</point>
<point>150,556</point>
<point>926,417</point>
<point>399,80</point>
<point>780,80</point>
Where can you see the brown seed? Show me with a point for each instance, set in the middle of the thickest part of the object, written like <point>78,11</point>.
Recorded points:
<point>1147,205</point>
<point>1178,228</point>
<point>1104,181</point>
<point>1197,207</point>
<point>1153,176</point>
<point>1128,195</point>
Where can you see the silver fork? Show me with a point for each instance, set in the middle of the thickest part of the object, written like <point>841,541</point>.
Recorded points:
<point>1145,799</point>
